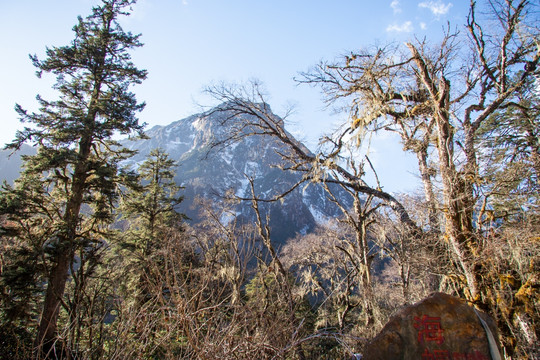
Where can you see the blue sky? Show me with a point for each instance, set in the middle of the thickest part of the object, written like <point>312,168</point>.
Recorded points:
<point>191,43</point>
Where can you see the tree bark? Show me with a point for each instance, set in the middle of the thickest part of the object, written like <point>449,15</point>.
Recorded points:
<point>456,198</point>
<point>47,331</point>
<point>425,175</point>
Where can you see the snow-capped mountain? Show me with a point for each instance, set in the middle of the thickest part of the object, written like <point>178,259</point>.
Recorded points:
<point>211,174</point>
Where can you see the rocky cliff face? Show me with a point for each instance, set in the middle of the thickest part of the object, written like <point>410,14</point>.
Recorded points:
<point>210,174</point>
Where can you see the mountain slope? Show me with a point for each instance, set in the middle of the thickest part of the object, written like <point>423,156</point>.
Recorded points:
<point>211,174</point>
<point>11,163</point>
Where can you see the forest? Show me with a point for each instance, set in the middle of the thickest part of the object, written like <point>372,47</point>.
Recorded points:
<point>96,261</point>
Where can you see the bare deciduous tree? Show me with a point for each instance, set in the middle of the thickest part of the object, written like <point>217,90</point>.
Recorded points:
<point>438,97</point>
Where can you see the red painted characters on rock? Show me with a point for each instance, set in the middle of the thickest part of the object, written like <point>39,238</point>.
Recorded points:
<point>429,329</point>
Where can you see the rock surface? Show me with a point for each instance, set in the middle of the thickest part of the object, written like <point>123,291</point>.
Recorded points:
<point>438,327</point>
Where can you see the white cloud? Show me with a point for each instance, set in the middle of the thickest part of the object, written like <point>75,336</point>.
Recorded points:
<point>396,6</point>
<point>423,26</point>
<point>184,2</point>
<point>405,27</point>
<point>438,8</point>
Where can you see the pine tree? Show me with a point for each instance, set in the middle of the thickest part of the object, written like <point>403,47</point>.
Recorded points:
<point>150,208</point>
<point>77,160</point>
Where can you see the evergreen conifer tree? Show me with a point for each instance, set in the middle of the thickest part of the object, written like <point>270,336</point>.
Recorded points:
<point>76,165</point>
<point>150,208</point>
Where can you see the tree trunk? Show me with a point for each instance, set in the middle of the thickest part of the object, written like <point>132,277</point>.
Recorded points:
<point>45,342</point>
<point>47,330</point>
<point>425,174</point>
<point>456,199</point>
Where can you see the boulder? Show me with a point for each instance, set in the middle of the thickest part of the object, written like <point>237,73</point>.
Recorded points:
<point>441,327</point>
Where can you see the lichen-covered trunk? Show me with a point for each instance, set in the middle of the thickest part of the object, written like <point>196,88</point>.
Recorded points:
<point>364,261</point>
<point>457,197</point>
<point>457,206</point>
<point>425,175</point>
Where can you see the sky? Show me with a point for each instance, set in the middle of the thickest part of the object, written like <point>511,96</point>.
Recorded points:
<point>191,44</point>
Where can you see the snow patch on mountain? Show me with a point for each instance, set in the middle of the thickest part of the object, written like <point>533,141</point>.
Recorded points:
<point>198,124</point>
<point>243,189</point>
<point>228,153</point>
<point>317,214</point>
<point>252,169</point>
<point>227,217</point>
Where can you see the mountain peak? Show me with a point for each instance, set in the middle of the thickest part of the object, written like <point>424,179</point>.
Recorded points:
<point>206,173</point>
